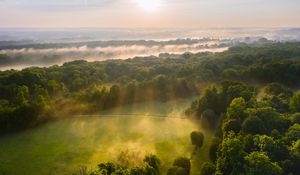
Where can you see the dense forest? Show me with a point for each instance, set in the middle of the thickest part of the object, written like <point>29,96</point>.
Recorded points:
<point>255,133</point>
<point>247,96</point>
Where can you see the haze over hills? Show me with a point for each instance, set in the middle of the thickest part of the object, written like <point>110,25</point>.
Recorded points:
<point>22,48</point>
<point>58,35</point>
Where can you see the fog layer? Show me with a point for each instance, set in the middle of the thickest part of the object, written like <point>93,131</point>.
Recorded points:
<point>18,58</point>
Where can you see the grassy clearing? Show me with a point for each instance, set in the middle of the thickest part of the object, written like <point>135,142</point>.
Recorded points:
<point>61,147</point>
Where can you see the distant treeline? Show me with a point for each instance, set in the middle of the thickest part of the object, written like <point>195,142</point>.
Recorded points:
<point>93,44</point>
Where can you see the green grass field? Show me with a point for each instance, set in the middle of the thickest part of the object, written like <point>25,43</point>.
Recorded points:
<point>63,146</point>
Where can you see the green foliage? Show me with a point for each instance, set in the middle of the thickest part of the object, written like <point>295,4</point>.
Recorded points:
<point>248,143</point>
<point>295,148</point>
<point>231,125</point>
<point>295,118</point>
<point>106,168</point>
<point>275,149</point>
<point>293,133</point>
<point>271,119</point>
<point>277,96</point>
<point>214,102</point>
<point>259,163</point>
<point>236,110</point>
<point>183,163</point>
<point>231,156</point>
<point>151,167</point>
<point>253,125</point>
<point>175,170</point>
<point>260,134</point>
<point>22,95</point>
<point>153,164</point>
<point>278,103</point>
<point>295,103</point>
<point>209,100</point>
<point>213,149</point>
<point>278,89</point>
<point>261,128</point>
<point>207,169</point>
<point>232,90</point>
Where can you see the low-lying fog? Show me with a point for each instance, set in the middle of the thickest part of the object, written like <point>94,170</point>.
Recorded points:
<point>20,48</point>
<point>18,58</point>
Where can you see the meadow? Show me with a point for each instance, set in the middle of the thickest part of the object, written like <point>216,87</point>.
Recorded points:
<point>63,146</point>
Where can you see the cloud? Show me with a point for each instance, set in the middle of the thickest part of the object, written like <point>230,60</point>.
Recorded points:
<point>39,5</point>
<point>127,13</point>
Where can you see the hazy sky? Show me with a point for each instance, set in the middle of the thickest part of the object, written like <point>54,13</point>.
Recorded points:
<point>150,13</point>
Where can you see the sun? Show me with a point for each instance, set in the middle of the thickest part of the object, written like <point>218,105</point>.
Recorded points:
<point>149,5</point>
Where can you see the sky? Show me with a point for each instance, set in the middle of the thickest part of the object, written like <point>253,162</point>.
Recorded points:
<point>149,13</point>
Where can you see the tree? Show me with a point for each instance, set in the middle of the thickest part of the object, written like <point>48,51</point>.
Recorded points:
<point>209,100</point>
<point>41,103</point>
<point>253,125</point>
<point>161,84</point>
<point>22,95</point>
<point>264,142</point>
<point>175,170</point>
<point>232,90</point>
<point>183,163</point>
<point>54,87</point>
<point>182,89</point>
<point>278,89</point>
<point>192,110</point>
<point>295,148</point>
<point>138,171</point>
<point>108,168</point>
<point>237,108</point>
<point>213,149</point>
<point>258,163</point>
<point>209,119</point>
<point>197,139</point>
<point>131,90</point>
<point>231,156</point>
<point>275,149</point>
<point>248,141</point>
<point>278,103</point>
<point>154,164</point>
<point>295,118</point>
<point>270,118</point>
<point>231,125</point>
<point>112,97</point>
<point>207,169</point>
<point>293,133</point>
<point>295,103</point>
<point>294,160</point>
<point>150,167</point>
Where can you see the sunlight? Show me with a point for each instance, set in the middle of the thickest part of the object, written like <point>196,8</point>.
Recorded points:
<point>149,5</point>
